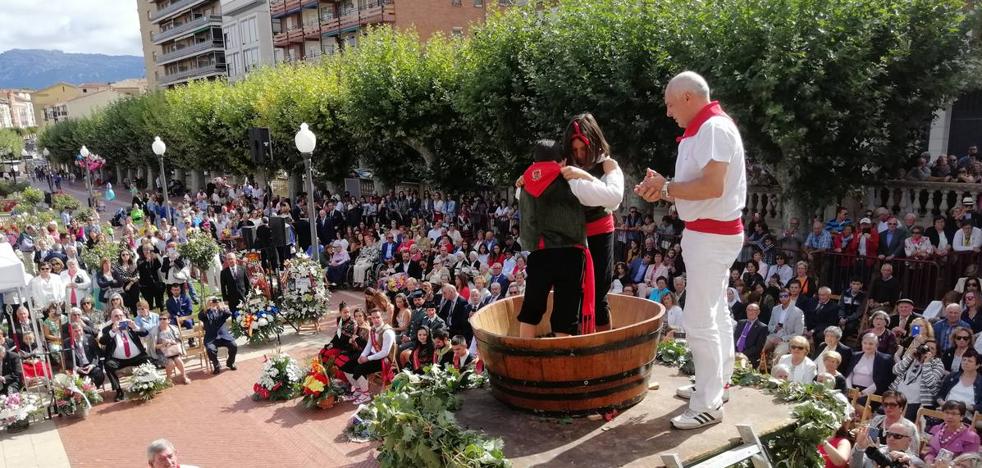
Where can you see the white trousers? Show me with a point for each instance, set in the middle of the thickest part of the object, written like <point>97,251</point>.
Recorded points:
<point>705,318</point>
<point>361,269</point>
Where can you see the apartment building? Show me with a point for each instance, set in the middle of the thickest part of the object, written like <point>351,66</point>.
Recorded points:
<point>85,99</point>
<point>45,99</point>
<point>307,29</point>
<point>182,40</point>
<point>17,109</point>
<point>248,35</point>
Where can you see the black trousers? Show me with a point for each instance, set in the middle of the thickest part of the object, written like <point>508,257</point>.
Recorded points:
<point>97,375</point>
<point>561,270</point>
<point>154,295</point>
<point>114,365</point>
<point>212,349</point>
<point>361,370</point>
<point>602,251</point>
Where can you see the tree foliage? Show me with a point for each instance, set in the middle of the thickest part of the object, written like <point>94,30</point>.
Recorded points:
<point>11,143</point>
<point>824,92</point>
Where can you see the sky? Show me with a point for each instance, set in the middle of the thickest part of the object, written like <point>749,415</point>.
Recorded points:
<point>84,26</point>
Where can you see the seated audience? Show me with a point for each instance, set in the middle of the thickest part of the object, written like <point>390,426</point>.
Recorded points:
<point>800,368</point>
<point>918,374</point>
<point>750,334</point>
<point>122,347</point>
<point>82,354</point>
<point>870,371</point>
<point>962,339</point>
<point>869,454</point>
<point>166,348</point>
<point>11,372</point>
<point>893,413</point>
<point>833,337</point>
<point>963,385</point>
<point>377,357</point>
<point>953,434</point>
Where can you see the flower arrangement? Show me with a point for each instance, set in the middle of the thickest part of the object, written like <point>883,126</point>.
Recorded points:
<point>200,249</point>
<point>258,319</point>
<point>306,297</point>
<point>74,394</point>
<point>318,389</point>
<point>17,408</point>
<point>280,379</point>
<point>147,382</point>
<point>396,282</point>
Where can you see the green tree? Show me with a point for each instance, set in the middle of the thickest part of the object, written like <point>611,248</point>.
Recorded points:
<point>11,143</point>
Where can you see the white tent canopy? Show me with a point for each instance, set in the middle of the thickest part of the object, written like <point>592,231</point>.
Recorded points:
<point>12,274</point>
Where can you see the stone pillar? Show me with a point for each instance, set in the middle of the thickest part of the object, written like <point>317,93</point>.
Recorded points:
<point>119,176</point>
<point>296,184</point>
<point>150,176</point>
<point>196,180</point>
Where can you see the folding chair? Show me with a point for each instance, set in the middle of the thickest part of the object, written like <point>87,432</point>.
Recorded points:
<point>751,449</point>
<point>921,423</point>
<point>868,407</point>
<point>197,334</point>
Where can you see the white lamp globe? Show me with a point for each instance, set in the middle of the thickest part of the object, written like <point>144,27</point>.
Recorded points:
<point>158,146</point>
<point>84,152</point>
<point>305,139</point>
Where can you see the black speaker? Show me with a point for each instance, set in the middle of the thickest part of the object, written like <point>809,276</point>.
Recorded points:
<point>249,236</point>
<point>277,226</point>
<point>259,145</point>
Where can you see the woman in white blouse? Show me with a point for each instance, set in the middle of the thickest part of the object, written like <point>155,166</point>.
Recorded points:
<point>673,315</point>
<point>801,369</point>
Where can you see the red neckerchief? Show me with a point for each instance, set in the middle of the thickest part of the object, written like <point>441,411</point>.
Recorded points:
<point>539,175</point>
<point>709,110</point>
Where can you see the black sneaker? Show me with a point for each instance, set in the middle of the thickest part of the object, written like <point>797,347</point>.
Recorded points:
<point>231,366</point>
<point>120,396</point>
<point>216,371</point>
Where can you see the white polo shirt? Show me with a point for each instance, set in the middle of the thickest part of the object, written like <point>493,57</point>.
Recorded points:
<point>718,140</point>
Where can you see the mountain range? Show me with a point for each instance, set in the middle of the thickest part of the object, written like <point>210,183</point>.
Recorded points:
<point>36,69</point>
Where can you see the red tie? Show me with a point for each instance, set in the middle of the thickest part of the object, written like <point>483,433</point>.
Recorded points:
<point>126,345</point>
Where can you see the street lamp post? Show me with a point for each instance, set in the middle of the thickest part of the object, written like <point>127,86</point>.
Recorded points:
<point>88,176</point>
<point>47,168</point>
<point>159,148</point>
<point>305,141</point>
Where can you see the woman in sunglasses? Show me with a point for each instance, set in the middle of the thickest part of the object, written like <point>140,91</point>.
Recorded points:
<point>801,369</point>
<point>893,413</point>
<point>961,337</point>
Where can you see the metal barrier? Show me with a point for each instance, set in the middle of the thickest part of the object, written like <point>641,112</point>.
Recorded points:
<point>921,281</point>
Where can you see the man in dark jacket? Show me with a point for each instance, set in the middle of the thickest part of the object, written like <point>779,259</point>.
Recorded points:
<point>214,319</point>
<point>553,227</point>
<point>750,334</point>
<point>122,347</point>
<point>235,286</point>
<point>11,372</point>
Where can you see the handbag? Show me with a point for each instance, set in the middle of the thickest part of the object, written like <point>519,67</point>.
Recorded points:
<point>173,351</point>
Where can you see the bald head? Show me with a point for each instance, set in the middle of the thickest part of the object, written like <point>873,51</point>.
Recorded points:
<point>688,81</point>
<point>685,96</point>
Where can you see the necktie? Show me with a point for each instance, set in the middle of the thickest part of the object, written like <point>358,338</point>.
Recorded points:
<point>80,353</point>
<point>742,342</point>
<point>126,345</point>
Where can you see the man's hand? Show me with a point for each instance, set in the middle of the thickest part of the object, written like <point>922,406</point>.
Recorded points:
<point>650,188</point>
<point>362,359</point>
<point>572,172</point>
<point>520,182</point>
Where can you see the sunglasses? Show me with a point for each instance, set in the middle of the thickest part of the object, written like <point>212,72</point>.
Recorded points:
<point>963,338</point>
<point>894,435</point>
<point>797,347</point>
<point>891,404</point>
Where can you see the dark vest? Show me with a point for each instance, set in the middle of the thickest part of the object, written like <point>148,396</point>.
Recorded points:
<point>556,216</point>
<point>594,213</point>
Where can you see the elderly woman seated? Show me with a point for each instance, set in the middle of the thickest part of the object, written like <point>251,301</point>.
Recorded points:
<point>801,369</point>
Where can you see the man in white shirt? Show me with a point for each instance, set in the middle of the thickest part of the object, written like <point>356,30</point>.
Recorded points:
<point>709,191</point>
<point>967,239</point>
<point>374,358</point>
<point>46,288</point>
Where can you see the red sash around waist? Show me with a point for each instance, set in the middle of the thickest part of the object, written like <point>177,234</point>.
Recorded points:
<point>600,226</point>
<point>714,226</point>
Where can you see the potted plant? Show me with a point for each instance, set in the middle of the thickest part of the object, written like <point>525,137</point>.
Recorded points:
<point>318,389</point>
<point>74,395</point>
<point>16,410</point>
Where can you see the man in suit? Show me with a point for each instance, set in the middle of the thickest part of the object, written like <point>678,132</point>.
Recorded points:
<point>11,372</point>
<point>498,277</point>
<point>409,266</point>
<point>122,347</point>
<point>900,323</point>
<point>455,311</point>
<point>787,321</point>
<point>824,315</point>
<point>891,241</point>
<point>235,286</point>
<point>82,354</point>
<point>390,248</point>
<point>750,334</point>
<point>214,319</point>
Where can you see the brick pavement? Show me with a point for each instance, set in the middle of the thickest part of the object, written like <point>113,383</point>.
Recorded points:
<point>214,423</point>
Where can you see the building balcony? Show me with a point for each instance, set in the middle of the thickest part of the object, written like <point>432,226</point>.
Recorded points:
<point>311,31</point>
<point>279,9</point>
<point>188,28</point>
<point>353,19</point>
<point>330,26</point>
<point>295,35</point>
<point>309,3</point>
<point>281,40</point>
<point>174,9</point>
<point>202,71</point>
<point>190,51</point>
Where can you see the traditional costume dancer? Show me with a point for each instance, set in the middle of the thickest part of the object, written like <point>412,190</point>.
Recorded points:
<point>709,191</point>
<point>599,184</point>
<point>553,228</point>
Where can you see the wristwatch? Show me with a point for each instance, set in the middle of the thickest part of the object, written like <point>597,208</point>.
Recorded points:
<point>664,189</point>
